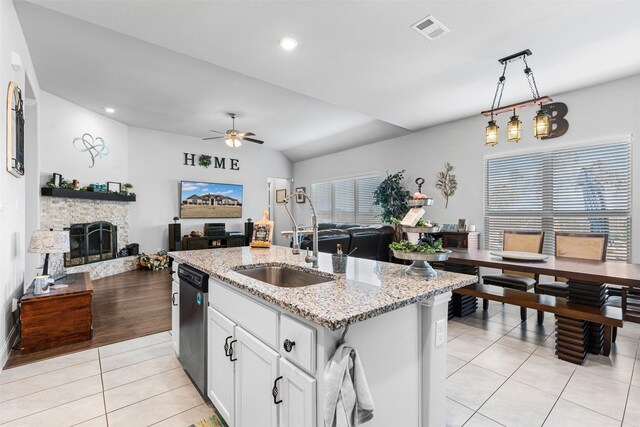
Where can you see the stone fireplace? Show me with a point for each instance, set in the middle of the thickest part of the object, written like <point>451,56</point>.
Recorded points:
<point>91,242</point>
<point>99,229</point>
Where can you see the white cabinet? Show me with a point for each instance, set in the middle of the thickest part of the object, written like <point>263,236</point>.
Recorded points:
<point>298,393</point>
<point>175,312</point>
<point>256,374</point>
<point>249,383</point>
<point>221,367</point>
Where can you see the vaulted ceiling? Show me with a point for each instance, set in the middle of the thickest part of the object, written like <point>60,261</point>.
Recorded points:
<point>360,73</point>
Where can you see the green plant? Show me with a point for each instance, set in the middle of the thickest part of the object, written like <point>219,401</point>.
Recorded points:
<point>127,185</point>
<point>392,197</point>
<point>204,160</point>
<point>447,183</point>
<point>420,247</point>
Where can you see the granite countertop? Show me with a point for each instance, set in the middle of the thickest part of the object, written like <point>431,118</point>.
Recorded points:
<point>367,289</point>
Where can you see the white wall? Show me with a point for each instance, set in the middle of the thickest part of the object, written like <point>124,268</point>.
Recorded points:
<point>13,238</point>
<point>156,162</point>
<point>63,121</point>
<point>599,113</point>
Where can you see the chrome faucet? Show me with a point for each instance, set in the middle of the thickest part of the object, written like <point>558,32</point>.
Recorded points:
<point>314,220</point>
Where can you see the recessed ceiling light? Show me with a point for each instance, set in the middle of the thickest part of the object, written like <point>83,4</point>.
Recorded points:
<point>288,43</point>
<point>110,110</point>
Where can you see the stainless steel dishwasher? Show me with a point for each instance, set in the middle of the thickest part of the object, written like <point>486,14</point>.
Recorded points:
<point>194,289</point>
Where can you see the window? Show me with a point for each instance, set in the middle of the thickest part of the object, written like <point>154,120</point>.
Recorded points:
<point>347,200</point>
<point>583,189</point>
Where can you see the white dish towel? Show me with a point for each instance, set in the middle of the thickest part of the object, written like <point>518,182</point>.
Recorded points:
<point>348,401</point>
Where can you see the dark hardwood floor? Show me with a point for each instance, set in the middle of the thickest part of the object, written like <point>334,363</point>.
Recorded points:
<point>125,306</point>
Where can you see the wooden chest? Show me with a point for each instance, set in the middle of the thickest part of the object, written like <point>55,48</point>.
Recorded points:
<point>58,318</point>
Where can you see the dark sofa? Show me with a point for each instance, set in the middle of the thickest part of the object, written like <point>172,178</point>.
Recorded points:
<point>370,242</point>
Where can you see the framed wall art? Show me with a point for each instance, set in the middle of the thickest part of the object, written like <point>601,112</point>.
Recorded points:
<point>300,197</point>
<point>15,131</point>
<point>281,195</point>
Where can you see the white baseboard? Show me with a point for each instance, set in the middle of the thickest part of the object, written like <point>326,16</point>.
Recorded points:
<point>6,346</point>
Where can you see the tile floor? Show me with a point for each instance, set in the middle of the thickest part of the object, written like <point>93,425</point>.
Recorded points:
<point>500,372</point>
<point>503,372</point>
<point>132,383</point>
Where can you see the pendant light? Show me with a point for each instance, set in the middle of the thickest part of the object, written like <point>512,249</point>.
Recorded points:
<point>541,124</point>
<point>513,128</point>
<point>491,133</point>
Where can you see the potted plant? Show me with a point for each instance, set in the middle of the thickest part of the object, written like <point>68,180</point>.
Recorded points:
<point>127,187</point>
<point>392,198</point>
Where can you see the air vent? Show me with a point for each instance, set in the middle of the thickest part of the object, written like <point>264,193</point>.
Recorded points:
<point>430,28</point>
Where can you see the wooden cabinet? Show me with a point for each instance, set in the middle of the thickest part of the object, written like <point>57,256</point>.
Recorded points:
<point>221,368</point>
<point>60,317</point>
<point>298,394</point>
<point>175,310</point>
<point>208,242</point>
<point>458,239</point>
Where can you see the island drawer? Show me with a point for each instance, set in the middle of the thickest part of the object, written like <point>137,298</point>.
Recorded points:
<point>298,343</point>
<point>256,318</point>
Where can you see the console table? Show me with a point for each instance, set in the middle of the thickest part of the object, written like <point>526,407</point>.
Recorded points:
<point>212,242</point>
<point>63,316</point>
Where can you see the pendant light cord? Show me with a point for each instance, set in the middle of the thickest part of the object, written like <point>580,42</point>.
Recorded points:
<point>531,79</point>
<point>499,89</point>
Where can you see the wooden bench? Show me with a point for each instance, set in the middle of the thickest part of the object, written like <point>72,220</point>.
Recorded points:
<point>608,316</point>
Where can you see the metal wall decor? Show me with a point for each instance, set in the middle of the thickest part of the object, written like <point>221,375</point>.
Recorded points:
<point>15,131</point>
<point>96,147</point>
<point>549,121</point>
<point>446,182</point>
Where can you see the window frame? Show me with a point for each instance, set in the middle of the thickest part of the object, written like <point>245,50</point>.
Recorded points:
<point>549,214</point>
<point>356,199</point>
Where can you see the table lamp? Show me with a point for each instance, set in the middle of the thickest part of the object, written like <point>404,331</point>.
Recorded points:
<point>49,242</point>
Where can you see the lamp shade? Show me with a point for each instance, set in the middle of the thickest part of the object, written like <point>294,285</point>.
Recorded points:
<point>491,134</point>
<point>513,128</point>
<point>49,242</point>
<point>541,124</point>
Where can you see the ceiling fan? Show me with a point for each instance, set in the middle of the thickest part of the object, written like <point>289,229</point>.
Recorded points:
<point>233,138</point>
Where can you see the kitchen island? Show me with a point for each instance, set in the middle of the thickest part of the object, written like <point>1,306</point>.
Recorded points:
<point>269,345</point>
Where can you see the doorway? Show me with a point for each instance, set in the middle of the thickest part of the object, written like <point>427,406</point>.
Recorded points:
<point>277,212</point>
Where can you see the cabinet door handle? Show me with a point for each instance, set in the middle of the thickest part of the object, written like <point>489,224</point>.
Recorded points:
<point>226,345</point>
<point>275,391</point>
<point>173,299</point>
<point>231,351</point>
<point>288,345</point>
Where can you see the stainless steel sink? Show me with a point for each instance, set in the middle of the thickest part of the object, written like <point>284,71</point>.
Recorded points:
<point>283,277</point>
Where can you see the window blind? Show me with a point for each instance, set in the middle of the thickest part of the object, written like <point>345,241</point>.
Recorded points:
<point>347,200</point>
<point>583,189</point>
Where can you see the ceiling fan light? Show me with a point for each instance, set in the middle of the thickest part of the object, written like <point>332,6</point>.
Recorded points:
<point>514,128</point>
<point>233,142</point>
<point>541,124</point>
<point>491,134</point>
<point>288,43</point>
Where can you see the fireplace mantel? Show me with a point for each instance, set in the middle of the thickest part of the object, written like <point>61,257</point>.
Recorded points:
<point>92,195</point>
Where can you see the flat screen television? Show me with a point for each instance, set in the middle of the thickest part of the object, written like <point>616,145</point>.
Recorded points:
<point>210,200</point>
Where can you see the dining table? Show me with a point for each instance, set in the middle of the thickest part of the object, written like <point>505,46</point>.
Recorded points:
<point>586,279</point>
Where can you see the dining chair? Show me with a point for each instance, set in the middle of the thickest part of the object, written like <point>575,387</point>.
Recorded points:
<point>586,246</point>
<point>521,241</point>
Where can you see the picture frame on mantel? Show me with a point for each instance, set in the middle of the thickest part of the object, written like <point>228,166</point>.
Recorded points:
<point>114,187</point>
<point>299,197</point>
<point>56,179</point>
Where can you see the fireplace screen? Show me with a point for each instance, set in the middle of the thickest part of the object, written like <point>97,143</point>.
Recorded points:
<point>92,242</point>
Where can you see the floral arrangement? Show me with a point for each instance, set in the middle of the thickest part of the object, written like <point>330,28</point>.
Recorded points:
<point>157,261</point>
